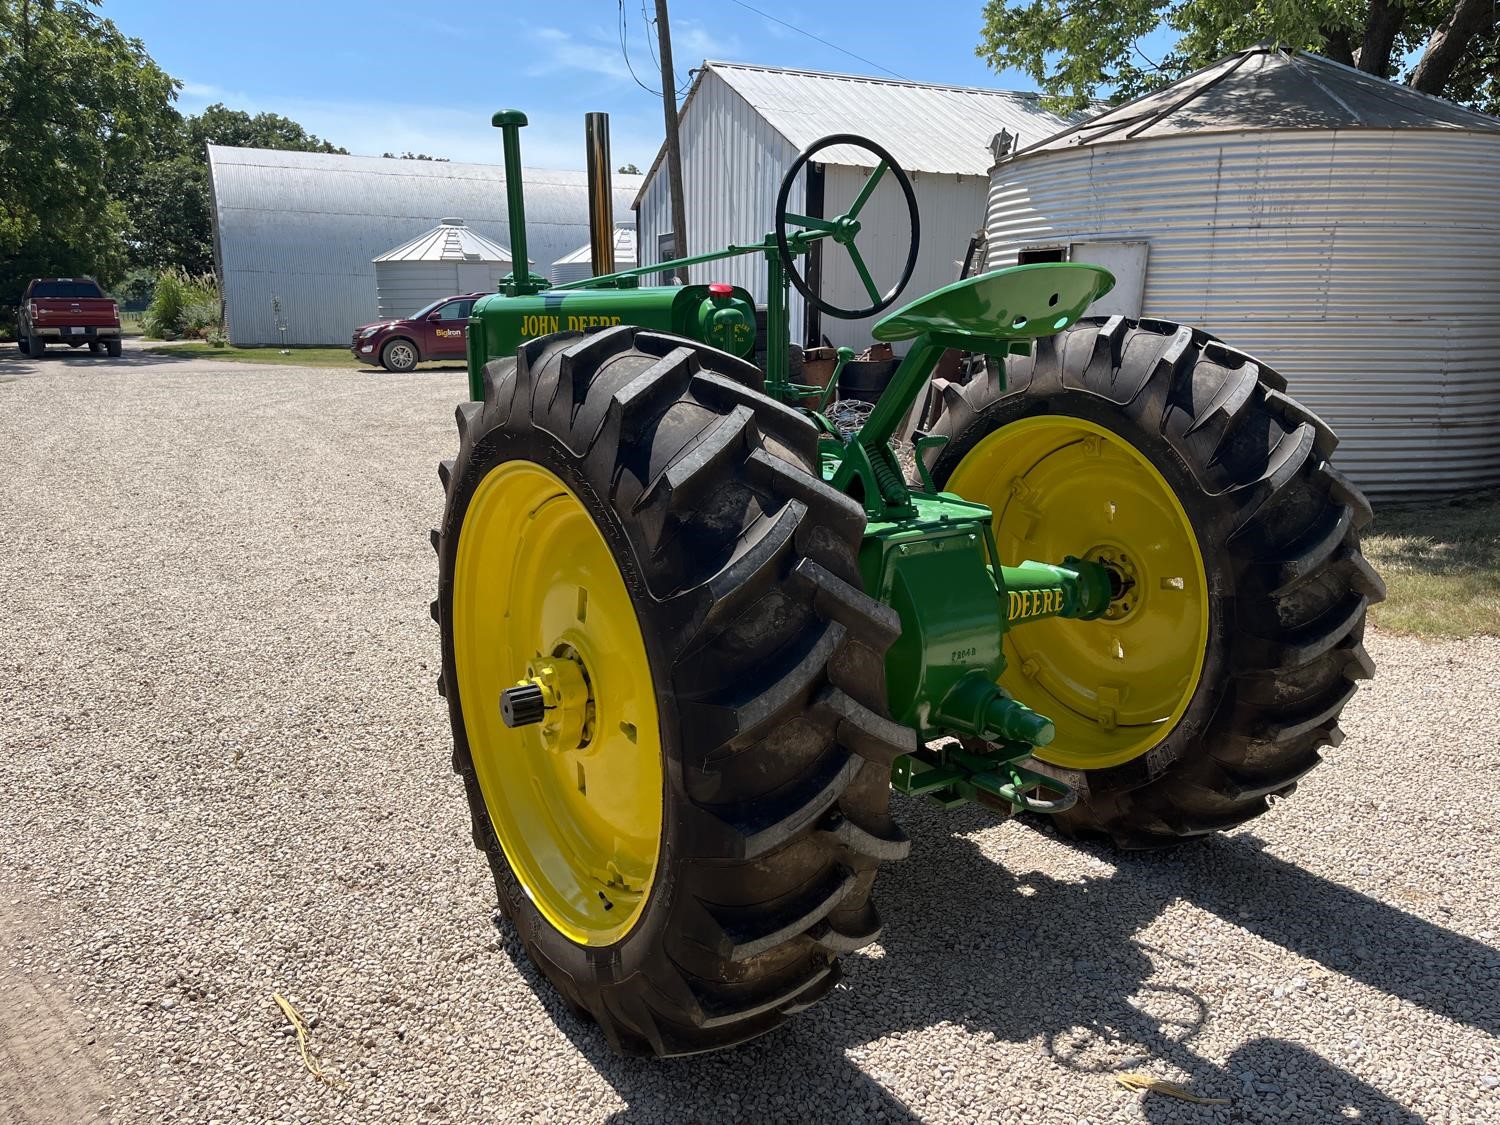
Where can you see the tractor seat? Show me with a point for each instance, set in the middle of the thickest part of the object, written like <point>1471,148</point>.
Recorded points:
<point>1018,303</point>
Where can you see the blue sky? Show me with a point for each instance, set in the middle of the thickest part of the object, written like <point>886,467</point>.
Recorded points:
<point>385,76</point>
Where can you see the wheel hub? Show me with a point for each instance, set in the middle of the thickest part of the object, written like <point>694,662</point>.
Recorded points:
<point>569,762</point>
<point>1115,685</point>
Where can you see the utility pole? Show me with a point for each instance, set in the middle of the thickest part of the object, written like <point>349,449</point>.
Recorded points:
<point>674,148</point>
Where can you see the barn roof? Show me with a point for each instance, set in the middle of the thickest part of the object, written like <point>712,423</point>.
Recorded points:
<point>1270,87</point>
<point>449,241</point>
<point>926,127</point>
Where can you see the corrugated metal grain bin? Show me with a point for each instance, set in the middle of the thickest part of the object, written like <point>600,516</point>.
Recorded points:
<point>1343,228</point>
<point>447,260</point>
<point>580,263</point>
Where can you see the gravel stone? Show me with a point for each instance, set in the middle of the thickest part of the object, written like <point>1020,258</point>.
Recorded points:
<point>225,773</point>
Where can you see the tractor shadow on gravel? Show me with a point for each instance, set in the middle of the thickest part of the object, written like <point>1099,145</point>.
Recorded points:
<point>1021,956</point>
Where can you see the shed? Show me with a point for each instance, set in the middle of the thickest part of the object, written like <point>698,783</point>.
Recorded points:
<point>741,128</point>
<point>1343,228</point>
<point>295,233</point>
<point>580,263</point>
<point>448,259</point>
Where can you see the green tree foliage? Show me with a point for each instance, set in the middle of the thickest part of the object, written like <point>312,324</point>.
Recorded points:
<point>414,156</point>
<point>629,170</point>
<point>1078,50</point>
<point>82,110</point>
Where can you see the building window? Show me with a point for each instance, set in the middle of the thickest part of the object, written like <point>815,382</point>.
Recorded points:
<point>1031,255</point>
<point>666,250</point>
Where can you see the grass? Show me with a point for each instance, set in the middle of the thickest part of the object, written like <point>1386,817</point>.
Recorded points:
<point>1441,564</point>
<point>295,357</point>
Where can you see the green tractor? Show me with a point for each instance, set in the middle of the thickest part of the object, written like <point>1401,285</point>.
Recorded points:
<point>693,635</point>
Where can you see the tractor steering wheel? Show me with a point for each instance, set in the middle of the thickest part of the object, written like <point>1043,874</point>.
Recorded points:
<point>845,228</point>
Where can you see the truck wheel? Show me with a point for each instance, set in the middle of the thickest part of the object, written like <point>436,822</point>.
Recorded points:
<point>686,841</point>
<point>399,356</point>
<point>96,347</point>
<point>23,344</point>
<point>36,346</point>
<point>1219,674</point>
<point>114,347</point>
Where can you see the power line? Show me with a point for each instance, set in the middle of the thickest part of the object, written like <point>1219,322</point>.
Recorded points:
<point>624,50</point>
<point>649,20</point>
<point>819,39</point>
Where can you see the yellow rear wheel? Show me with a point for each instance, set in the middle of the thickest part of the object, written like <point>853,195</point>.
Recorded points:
<point>1218,674</point>
<point>1114,686</point>
<point>577,800</point>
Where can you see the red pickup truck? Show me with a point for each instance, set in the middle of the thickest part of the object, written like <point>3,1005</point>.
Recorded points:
<point>68,310</point>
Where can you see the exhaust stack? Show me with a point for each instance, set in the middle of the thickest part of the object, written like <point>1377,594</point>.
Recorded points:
<point>601,197</point>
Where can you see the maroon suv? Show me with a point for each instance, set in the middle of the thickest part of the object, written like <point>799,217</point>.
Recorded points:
<point>435,332</point>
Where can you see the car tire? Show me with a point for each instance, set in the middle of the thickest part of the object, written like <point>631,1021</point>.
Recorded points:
<point>114,347</point>
<point>96,347</point>
<point>36,346</point>
<point>399,356</point>
<point>22,345</point>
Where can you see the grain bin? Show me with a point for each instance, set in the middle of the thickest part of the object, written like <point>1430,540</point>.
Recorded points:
<point>578,264</point>
<point>1344,228</point>
<point>444,261</point>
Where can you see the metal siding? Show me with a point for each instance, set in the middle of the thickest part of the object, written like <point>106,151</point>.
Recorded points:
<point>304,227</point>
<point>732,163</point>
<point>1364,265</point>
<point>951,210</point>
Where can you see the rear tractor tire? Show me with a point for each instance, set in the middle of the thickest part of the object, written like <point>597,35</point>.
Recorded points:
<point>685,855</point>
<point>1219,674</point>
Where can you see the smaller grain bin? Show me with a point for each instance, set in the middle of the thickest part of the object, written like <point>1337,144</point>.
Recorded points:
<point>446,260</point>
<point>579,264</point>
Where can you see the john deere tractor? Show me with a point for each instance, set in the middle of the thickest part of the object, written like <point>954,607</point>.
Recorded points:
<point>693,635</point>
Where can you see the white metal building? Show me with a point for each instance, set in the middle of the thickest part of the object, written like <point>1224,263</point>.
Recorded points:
<point>1343,228</point>
<point>743,126</point>
<point>580,263</point>
<point>450,258</point>
<point>301,229</point>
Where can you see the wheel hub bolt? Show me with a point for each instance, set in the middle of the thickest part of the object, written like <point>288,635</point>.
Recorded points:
<point>522,705</point>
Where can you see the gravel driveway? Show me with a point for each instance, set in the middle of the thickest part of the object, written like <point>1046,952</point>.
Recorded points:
<point>224,772</point>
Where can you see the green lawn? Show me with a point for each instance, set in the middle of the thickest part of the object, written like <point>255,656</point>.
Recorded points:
<point>1441,564</point>
<point>295,357</point>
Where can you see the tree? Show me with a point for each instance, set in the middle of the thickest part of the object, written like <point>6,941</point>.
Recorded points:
<point>1078,49</point>
<point>172,224</point>
<point>81,110</point>
<point>628,170</point>
<point>413,156</point>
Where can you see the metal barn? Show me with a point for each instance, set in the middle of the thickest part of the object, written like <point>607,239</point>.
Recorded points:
<point>1343,228</point>
<point>295,233</point>
<point>448,259</point>
<point>580,263</point>
<point>741,128</point>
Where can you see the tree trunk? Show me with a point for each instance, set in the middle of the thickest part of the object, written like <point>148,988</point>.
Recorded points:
<point>1449,40</point>
<point>1380,36</point>
<point>1336,45</point>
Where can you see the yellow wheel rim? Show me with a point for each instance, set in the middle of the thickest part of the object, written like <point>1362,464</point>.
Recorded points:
<point>1114,686</point>
<point>576,801</point>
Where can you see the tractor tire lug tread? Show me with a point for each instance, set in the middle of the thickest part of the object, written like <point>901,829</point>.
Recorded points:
<point>742,563</point>
<point>1251,465</point>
